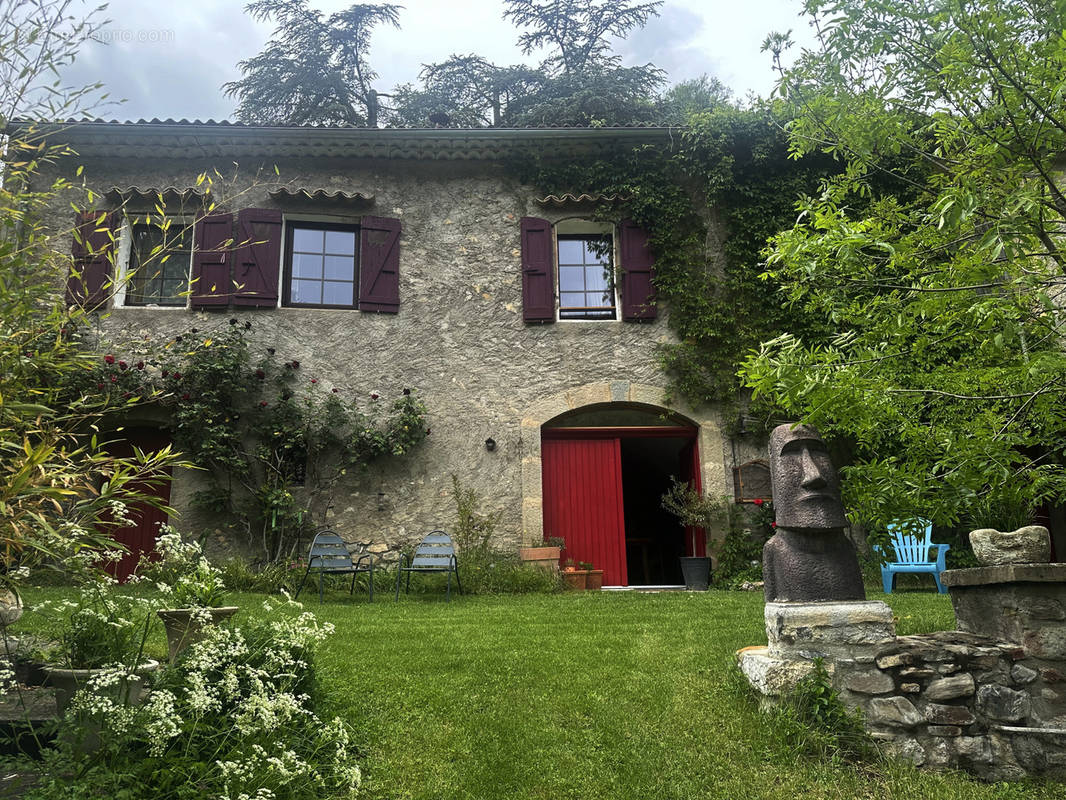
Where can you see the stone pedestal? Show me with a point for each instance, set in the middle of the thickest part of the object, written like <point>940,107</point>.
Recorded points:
<point>798,633</point>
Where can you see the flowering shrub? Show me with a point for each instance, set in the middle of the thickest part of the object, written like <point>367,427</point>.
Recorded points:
<point>181,572</point>
<point>271,440</point>
<point>233,719</point>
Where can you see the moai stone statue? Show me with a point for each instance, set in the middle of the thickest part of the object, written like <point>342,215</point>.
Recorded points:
<point>809,559</point>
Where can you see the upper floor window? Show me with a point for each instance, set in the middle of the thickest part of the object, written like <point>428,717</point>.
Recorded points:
<point>157,272</point>
<point>322,265</point>
<point>586,276</point>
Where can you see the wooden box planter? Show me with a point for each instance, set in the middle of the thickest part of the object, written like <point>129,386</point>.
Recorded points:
<point>545,557</point>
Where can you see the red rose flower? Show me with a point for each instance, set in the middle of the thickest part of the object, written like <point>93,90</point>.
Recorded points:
<point>260,374</point>
<point>295,364</point>
<point>109,359</point>
<point>140,365</point>
<point>99,386</point>
<point>374,396</point>
<point>773,524</point>
<point>757,501</point>
<point>314,380</point>
<point>262,403</point>
<point>185,396</point>
<point>177,376</point>
<point>114,379</point>
<point>123,365</point>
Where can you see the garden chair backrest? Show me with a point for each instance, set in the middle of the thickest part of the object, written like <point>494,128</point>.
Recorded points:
<point>435,551</point>
<point>329,553</point>
<point>911,549</point>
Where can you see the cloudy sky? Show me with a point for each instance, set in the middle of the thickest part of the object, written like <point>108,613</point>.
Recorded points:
<point>172,62</point>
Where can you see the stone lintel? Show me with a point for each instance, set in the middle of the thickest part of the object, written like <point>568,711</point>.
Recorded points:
<point>769,675</point>
<point>1006,573</point>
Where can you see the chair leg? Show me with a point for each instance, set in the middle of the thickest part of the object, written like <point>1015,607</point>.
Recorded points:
<point>940,587</point>
<point>302,582</point>
<point>371,581</point>
<point>352,589</point>
<point>888,579</point>
<point>399,576</point>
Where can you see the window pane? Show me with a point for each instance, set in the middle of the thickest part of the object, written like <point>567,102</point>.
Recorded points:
<point>595,278</point>
<point>571,299</point>
<point>307,292</point>
<point>340,268</point>
<point>305,240</point>
<point>341,243</point>
<point>570,251</point>
<point>306,266</point>
<point>337,293</point>
<point>158,269</point>
<point>571,279</point>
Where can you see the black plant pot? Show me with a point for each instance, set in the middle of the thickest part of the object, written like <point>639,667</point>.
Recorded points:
<point>697,573</point>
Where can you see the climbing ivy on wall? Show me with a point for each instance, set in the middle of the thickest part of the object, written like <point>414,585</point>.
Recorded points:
<point>709,205</point>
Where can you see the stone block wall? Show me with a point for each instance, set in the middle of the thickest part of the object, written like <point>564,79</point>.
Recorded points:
<point>942,700</point>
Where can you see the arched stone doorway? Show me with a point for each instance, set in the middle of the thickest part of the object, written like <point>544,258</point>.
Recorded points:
<point>596,461</point>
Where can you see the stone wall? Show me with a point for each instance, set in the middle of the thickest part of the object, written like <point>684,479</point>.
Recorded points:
<point>459,338</point>
<point>944,700</point>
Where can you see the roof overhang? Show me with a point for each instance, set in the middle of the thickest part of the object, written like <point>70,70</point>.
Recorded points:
<point>212,140</point>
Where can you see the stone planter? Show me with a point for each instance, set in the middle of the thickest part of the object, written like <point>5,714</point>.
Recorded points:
<point>10,607</point>
<point>182,629</point>
<point>544,557</point>
<point>1028,545</point>
<point>66,682</point>
<point>697,573</point>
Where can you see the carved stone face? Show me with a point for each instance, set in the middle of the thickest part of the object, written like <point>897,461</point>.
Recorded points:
<point>805,483</point>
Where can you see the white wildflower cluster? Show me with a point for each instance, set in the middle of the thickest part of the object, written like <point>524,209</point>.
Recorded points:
<point>181,571</point>
<point>120,514</point>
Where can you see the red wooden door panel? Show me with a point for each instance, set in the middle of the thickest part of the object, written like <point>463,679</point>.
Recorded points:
<point>582,486</point>
<point>140,537</point>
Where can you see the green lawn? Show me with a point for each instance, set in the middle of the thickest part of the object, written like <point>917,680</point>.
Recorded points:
<point>607,695</point>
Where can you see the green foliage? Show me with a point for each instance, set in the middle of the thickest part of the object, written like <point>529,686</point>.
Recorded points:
<point>234,717</point>
<point>473,530</point>
<point>935,255</point>
<point>815,718</point>
<point>182,572</point>
<point>315,69</point>
<point>580,81</point>
<point>61,491</point>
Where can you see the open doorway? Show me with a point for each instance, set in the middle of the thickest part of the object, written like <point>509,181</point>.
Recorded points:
<point>655,541</point>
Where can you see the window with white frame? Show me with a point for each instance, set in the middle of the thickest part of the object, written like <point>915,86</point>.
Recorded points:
<point>585,270</point>
<point>158,262</point>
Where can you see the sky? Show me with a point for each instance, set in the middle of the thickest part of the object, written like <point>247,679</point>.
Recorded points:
<point>173,63</point>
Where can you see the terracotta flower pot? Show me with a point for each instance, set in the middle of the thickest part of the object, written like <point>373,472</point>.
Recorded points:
<point>576,579</point>
<point>545,557</point>
<point>595,580</point>
<point>182,629</point>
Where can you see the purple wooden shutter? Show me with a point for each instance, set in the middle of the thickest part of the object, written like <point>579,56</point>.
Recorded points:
<point>538,284</point>
<point>211,282</point>
<point>379,265</point>
<point>258,258</point>
<point>638,273</point>
<point>92,251</point>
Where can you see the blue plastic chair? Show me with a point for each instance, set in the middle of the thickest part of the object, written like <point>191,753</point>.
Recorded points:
<point>913,555</point>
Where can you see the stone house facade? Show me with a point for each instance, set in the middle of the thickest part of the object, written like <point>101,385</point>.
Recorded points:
<point>415,258</point>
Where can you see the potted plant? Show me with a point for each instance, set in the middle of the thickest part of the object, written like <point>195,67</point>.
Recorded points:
<point>696,513</point>
<point>546,555</point>
<point>573,576</point>
<point>101,647</point>
<point>593,577</point>
<point>192,585</point>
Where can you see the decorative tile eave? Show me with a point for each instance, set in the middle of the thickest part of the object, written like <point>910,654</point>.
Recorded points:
<point>568,200</point>
<point>151,195</point>
<point>156,140</point>
<point>286,194</point>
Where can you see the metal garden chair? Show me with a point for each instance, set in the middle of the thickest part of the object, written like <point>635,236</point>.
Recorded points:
<point>913,555</point>
<point>435,553</point>
<point>329,556</point>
